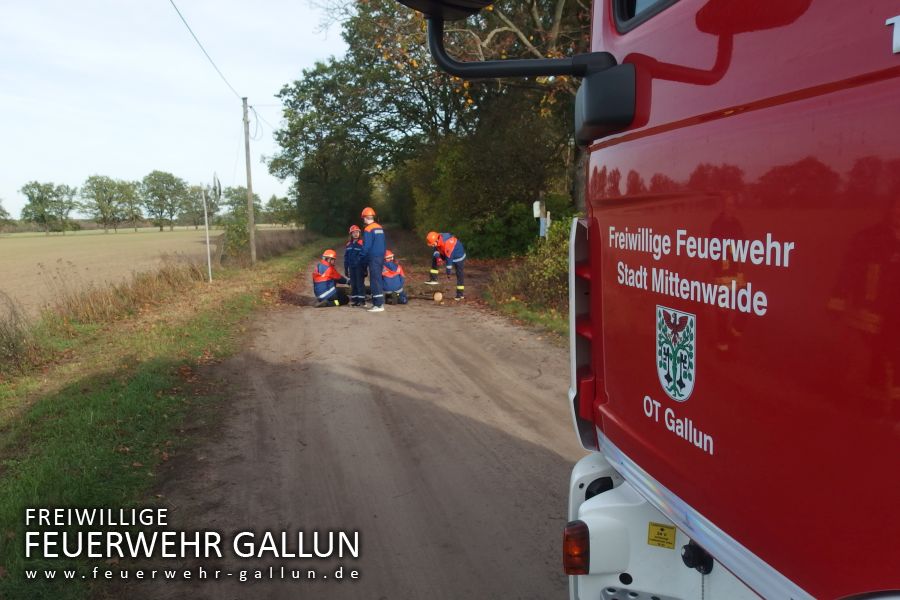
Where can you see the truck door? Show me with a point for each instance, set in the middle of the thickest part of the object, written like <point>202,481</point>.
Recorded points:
<point>744,270</point>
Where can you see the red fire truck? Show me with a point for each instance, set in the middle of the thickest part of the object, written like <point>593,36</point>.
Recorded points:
<point>734,297</point>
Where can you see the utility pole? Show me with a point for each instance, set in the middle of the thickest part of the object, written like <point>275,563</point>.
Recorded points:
<point>250,226</point>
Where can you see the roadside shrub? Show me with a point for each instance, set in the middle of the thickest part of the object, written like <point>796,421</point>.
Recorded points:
<point>237,241</point>
<point>541,279</point>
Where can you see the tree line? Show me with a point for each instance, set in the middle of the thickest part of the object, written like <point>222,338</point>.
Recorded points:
<point>383,126</point>
<point>160,197</point>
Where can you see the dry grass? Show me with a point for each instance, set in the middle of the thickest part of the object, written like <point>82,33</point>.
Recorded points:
<point>97,258</point>
<point>82,302</point>
<point>17,346</point>
<point>269,243</point>
<point>75,297</point>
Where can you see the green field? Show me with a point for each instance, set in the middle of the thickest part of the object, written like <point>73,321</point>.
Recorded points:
<point>34,265</point>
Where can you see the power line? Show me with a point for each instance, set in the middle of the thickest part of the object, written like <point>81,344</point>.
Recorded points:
<point>172,2</point>
<point>263,119</point>
<point>257,126</point>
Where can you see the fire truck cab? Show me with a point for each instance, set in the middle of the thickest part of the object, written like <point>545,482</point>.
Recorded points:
<point>734,297</point>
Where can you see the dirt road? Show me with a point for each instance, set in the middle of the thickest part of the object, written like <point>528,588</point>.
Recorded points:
<point>440,433</point>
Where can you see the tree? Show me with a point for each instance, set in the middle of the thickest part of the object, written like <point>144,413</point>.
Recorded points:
<point>129,199</point>
<point>280,210</point>
<point>63,204</point>
<point>4,216</point>
<point>162,194</point>
<point>39,204</point>
<point>102,202</point>
<point>234,200</point>
<point>191,210</point>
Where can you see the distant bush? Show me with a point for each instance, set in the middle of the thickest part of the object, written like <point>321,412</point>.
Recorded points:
<point>507,234</point>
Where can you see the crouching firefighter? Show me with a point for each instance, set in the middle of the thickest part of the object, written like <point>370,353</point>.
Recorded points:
<point>354,269</point>
<point>394,278</point>
<point>450,251</point>
<point>324,277</point>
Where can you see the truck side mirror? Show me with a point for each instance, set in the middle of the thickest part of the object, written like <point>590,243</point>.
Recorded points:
<point>448,10</point>
<point>602,110</point>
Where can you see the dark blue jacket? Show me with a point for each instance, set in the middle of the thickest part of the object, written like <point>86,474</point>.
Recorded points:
<point>374,243</point>
<point>353,254</point>
<point>450,249</point>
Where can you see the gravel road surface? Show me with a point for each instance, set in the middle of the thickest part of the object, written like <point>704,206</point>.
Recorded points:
<point>439,432</point>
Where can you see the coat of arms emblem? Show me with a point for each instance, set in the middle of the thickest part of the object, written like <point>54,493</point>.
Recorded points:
<point>676,351</point>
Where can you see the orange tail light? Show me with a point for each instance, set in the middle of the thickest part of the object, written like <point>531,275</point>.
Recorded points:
<point>576,548</point>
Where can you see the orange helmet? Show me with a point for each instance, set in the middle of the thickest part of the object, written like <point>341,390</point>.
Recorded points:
<point>388,256</point>
<point>432,238</point>
<point>354,228</point>
<point>329,254</point>
<point>368,212</point>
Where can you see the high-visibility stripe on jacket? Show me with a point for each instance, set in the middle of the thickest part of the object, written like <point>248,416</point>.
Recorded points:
<point>324,275</point>
<point>450,248</point>
<point>353,254</point>
<point>394,277</point>
<point>374,243</point>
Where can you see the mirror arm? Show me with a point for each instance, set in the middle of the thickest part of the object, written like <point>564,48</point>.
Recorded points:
<point>576,66</point>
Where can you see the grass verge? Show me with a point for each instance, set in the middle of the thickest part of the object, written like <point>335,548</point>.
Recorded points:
<point>550,320</point>
<point>90,431</point>
<point>535,289</point>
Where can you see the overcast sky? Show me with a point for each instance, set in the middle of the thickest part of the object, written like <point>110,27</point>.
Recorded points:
<point>119,88</point>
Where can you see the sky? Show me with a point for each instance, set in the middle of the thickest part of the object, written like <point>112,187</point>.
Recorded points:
<point>120,88</point>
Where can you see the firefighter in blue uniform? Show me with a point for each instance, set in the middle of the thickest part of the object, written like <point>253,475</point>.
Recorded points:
<point>394,278</point>
<point>450,251</point>
<point>324,277</point>
<point>354,269</point>
<point>373,249</point>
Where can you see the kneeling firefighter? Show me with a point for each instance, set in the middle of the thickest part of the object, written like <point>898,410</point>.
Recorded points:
<point>324,276</point>
<point>394,278</point>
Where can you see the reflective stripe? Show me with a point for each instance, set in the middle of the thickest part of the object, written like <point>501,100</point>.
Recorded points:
<point>398,291</point>
<point>378,296</point>
<point>434,271</point>
<point>378,231</point>
<point>456,260</point>
<point>324,295</point>
<point>460,287</point>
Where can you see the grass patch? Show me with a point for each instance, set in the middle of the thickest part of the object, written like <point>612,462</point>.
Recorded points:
<point>92,430</point>
<point>549,319</point>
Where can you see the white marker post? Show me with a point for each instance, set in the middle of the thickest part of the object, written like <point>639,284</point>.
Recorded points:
<point>206,226</point>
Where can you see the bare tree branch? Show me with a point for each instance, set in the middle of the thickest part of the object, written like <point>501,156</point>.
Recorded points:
<point>522,37</point>
<point>479,43</point>
<point>557,22</point>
